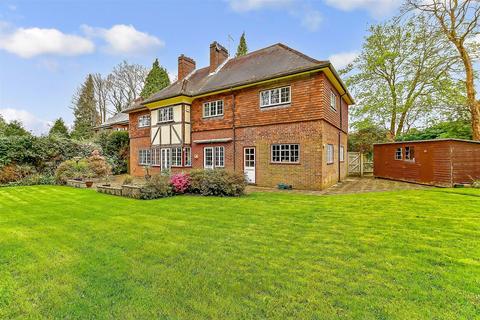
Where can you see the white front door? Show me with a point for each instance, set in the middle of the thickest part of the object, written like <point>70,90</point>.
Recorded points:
<point>249,164</point>
<point>166,159</point>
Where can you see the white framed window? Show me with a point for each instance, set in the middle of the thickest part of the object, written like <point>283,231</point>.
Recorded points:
<point>409,153</point>
<point>285,153</point>
<point>144,157</point>
<point>155,157</point>
<point>342,153</point>
<point>213,157</point>
<point>165,114</point>
<point>220,157</point>
<point>398,154</point>
<point>144,121</point>
<point>274,97</point>
<point>177,157</point>
<point>330,152</point>
<point>188,157</point>
<point>213,109</point>
<point>333,100</point>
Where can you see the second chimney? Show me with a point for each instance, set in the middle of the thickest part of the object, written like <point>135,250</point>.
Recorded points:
<point>218,54</point>
<point>185,66</point>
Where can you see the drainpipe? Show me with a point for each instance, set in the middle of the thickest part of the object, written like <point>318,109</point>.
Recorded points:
<point>340,139</point>
<point>234,133</point>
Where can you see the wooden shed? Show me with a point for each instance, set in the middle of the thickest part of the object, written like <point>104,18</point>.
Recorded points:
<point>442,162</point>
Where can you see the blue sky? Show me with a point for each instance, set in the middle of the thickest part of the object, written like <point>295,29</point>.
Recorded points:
<point>48,47</point>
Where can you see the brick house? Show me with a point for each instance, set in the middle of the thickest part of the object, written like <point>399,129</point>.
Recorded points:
<point>275,114</point>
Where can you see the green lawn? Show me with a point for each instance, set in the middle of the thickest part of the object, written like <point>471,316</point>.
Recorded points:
<point>69,253</point>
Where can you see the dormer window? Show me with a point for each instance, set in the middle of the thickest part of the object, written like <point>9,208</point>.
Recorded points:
<point>213,109</point>
<point>274,97</point>
<point>165,114</point>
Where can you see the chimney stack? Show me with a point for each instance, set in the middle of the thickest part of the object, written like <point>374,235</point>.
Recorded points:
<point>185,66</point>
<point>218,55</point>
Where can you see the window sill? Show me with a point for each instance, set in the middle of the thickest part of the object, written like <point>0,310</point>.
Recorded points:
<point>213,117</point>
<point>163,122</point>
<point>286,163</point>
<point>330,163</point>
<point>275,106</point>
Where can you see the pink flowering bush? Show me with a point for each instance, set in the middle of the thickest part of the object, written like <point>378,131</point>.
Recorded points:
<point>180,182</point>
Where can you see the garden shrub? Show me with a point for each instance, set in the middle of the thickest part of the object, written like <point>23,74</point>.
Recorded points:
<point>72,169</point>
<point>115,146</point>
<point>157,187</point>
<point>127,180</point>
<point>13,172</point>
<point>180,182</point>
<point>476,184</point>
<point>98,165</point>
<point>34,179</point>
<point>217,183</point>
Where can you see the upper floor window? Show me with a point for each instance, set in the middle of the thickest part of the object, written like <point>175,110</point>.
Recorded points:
<point>165,114</point>
<point>398,154</point>
<point>274,97</point>
<point>330,151</point>
<point>144,121</point>
<point>409,153</point>
<point>213,109</point>
<point>285,153</point>
<point>333,100</point>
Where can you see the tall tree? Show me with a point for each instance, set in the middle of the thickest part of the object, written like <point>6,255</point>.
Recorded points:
<point>156,80</point>
<point>59,129</point>
<point>458,21</point>
<point>85,110</point>
<point>242,48</point>
<point>400,75</point>
<point>12,128</point>
<point>101,95</point>
<point>125,84</point>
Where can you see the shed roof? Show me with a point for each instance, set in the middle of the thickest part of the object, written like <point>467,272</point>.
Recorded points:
<point>429,140</point>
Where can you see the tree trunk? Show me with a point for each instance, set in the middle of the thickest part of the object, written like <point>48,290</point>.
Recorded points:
<point>472,102</point>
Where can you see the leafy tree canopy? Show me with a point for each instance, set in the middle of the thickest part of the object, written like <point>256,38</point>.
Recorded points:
<point>85,110</point>
<point>13,128</point>
<point>365,135</point>
<point>447,129</point>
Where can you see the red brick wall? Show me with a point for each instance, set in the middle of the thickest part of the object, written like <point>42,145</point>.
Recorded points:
<point>139,139</point>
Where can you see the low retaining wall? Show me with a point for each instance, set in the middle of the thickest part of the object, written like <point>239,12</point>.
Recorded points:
<point>76,184</point>
<point>125,191</point>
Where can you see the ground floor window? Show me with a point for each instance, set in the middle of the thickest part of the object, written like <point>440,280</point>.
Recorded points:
<point>409,153</point>
<point>156,157</point>
<point>213,157</point>
<point>330,151</point>
<point>398,154</point>
<point>342,153</point>
<point>285,153</point>
<point>176,157</point>
<point>144,157</point>
<point>188,157</point>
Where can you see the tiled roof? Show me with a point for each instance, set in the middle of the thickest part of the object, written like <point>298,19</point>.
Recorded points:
<point>116,119</point>
<point>264,64</point>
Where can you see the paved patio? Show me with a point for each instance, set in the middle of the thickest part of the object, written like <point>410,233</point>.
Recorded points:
<point>351,185</point>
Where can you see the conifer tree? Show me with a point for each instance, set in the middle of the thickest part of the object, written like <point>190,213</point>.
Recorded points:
<point>156,80</point>
<point>59,129</point>
<point>242,48</point>
<point>85,111</point>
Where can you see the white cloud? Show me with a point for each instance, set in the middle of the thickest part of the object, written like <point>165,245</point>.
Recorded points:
<point>378,8</point>
<point>311,20</point>
<point>342,59</point>
<point>124,39</point>
<point>309,17</point>
<point>30,42</point>
<point>29,120</point>
<point>249,5</point>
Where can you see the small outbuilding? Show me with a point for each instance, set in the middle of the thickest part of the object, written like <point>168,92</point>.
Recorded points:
<point>442,162</point>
